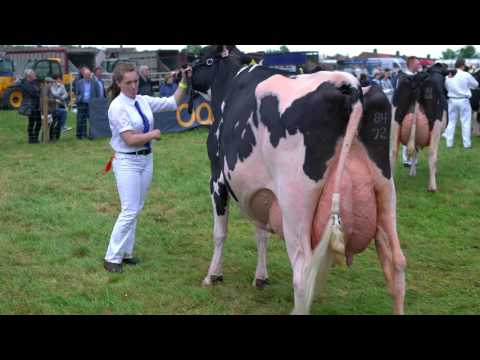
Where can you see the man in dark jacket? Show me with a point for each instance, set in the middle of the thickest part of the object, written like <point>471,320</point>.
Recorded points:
<point>144,83</point>
<point>31,105</point>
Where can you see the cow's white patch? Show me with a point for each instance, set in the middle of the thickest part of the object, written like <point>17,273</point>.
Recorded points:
<point>239,71</point>
<point>207,96</point>
<point>253,67</point>
<point>223,105</point>
<point>215,188</point>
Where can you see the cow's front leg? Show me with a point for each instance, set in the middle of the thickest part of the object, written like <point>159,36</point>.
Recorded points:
<point>261,275</point>
<point>438,127</point>
<point>387,220</point>
<point>220,218</point>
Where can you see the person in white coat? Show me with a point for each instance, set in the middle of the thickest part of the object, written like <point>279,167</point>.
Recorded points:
<point>132,124</point>
<point>459,93</point>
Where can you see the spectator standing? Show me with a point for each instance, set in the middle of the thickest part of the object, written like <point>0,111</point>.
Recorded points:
<point>84,92</point>
<point>60,95</point>
<point>31,105</point>
<point>377,77</point>
<point>364,82</point>
<point>459,93</point>
<point>169,88</point>
<point>144,83</point>
<point>386,84</point>
<point>100,86</point>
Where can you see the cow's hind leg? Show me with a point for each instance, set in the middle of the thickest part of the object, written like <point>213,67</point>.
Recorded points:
<point>475,123</point>
<point>394,143</point>
<point>433,152</point>
<point>261,275</point>
<point>413,167</point>
<point>386,201</point>
<point>220,218</point>
<point>385,256</point>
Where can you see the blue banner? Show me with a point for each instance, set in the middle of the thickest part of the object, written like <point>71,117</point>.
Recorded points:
<point>167,122</point>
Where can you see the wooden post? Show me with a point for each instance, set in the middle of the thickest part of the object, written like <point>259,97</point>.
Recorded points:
<point>44,102</point>
<point>71,93</point>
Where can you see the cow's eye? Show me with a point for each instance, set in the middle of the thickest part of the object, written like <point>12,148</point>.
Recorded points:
<point>209,62</point>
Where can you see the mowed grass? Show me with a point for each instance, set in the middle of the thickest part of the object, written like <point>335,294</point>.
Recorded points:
<point>57,212</point>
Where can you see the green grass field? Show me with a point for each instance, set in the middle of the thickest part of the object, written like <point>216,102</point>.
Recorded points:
<point>57,212</point>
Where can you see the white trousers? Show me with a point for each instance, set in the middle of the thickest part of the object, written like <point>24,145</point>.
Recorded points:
<point>133,174</point>
<point>459,108</point>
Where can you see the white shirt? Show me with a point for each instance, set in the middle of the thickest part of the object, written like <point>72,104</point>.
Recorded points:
<point>123,116</point>
<point>459,86</point>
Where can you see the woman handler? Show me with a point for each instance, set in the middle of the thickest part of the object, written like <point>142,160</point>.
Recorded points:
<point>131,122</point>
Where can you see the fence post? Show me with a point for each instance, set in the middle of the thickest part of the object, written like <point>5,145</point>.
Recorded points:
<point>44,102</point>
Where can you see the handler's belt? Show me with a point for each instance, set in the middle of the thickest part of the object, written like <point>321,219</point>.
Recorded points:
<point>140,152</point>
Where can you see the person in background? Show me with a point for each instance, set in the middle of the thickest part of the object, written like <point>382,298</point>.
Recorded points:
<point>364,82</point>
<point>377,77</point>
<point>31,105</point>
<point>60,95</point>
<point>100,86</point>
<point>84,90</point>
<point>386,84</point>
<point>394,75</point>
<point>169,88</point>
<point>459,89</point>
<point>145,84</point>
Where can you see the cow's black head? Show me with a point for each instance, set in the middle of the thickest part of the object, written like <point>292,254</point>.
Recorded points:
<point>214,69</point>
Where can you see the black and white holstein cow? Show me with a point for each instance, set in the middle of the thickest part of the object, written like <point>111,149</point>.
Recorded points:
<point>420,117</point>
<point>297,154</point>
<point>475,103</point>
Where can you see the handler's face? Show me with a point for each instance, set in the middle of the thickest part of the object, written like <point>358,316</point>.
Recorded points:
<point>129,84</point>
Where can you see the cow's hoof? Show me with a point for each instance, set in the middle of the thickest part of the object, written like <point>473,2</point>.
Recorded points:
<point>432,190</point>
<point>261,283</point>
<point>212,280</point>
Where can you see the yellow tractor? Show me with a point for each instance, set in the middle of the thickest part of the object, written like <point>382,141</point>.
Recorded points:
<point>10,97</point>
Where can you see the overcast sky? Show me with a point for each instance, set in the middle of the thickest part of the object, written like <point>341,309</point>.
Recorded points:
<point>435,51</point>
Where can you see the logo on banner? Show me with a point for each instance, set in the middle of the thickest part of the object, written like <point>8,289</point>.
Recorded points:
<point>202,114</point>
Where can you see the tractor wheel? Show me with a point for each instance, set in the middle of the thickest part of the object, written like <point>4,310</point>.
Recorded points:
<point>13,98</point>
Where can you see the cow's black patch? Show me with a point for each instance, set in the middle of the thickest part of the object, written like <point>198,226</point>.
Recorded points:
<point>404,97</point>
<point>321,116</point>
<point>475,99</point>
<point>374,129</point>
<point>221,198</point>
<point>431,101</point>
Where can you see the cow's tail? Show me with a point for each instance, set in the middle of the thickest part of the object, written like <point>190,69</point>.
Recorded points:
<point>332,244</point>
<point>413,130</point>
